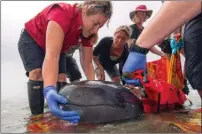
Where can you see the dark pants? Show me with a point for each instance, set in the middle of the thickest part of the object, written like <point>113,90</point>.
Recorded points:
<point>72,69</point>
<point>112,71</point>
<point>32,55</point>
<point>193,51</point>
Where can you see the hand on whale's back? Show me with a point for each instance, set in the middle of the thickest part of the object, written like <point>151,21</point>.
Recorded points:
<point>101,101</point>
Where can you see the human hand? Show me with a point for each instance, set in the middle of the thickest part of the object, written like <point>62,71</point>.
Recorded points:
<point>136,61</point>
<point>53,99</point>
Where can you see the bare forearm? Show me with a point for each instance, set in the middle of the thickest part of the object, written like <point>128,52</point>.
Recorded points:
<point>156,51</point>
<point>50,72</point>
<point>96,61</point>
<point>89,71</point>
<point>54,42</point>
<point>171,16</point>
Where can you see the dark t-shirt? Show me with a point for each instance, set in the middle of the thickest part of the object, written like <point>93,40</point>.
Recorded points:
<point>193,49</point>
<point>136,31</point>
<point>102,50</point>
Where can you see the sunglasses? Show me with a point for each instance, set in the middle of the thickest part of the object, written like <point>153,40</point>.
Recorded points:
<point>105,9</point>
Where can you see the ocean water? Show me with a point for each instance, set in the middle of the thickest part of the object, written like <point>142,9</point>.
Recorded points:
<point>15,110</point>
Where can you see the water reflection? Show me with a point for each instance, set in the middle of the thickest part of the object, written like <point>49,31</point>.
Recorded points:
<point>15,111</point>
<point>152,123</point>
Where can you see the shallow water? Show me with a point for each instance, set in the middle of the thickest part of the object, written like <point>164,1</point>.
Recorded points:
<point>15,110</point>
<point>15,115</point>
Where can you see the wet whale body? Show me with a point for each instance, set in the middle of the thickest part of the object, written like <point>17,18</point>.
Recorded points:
<point>101,101</point>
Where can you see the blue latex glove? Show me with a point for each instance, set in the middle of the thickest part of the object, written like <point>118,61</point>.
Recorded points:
<point>53,99</point>
<point>175,46</point>
<point>135,61</point>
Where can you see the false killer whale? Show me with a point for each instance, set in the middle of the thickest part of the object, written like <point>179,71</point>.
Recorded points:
<point>101,101</point>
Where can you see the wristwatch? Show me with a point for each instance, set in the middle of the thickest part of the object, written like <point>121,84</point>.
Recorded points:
<point>138,49</point>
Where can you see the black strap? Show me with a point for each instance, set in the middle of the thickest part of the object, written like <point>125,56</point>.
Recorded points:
<point>138,49</point>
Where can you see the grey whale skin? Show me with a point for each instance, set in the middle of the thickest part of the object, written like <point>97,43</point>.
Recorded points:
<point>101,101</point>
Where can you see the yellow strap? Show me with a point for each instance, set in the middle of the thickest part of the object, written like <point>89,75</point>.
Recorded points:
<point>171,65</point>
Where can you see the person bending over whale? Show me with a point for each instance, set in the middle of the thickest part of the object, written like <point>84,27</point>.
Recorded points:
<point>59,28</point>
<point>110,51</point>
